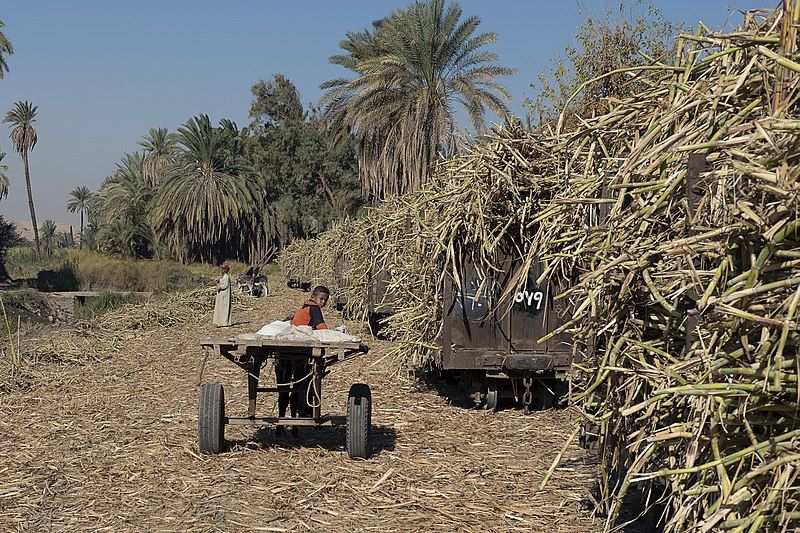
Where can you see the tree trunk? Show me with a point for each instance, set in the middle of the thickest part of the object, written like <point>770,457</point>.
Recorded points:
<point>329,192</point>
<point>30,203</point>
<point>80,244</point>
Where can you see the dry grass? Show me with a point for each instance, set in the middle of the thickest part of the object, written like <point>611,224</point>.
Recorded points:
<point>108,441</point>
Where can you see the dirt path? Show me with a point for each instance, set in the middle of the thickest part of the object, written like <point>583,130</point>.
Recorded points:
<point>112,445</point>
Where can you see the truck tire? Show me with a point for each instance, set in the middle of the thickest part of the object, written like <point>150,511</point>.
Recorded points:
<point>211,420</point>
<point>359,421</point>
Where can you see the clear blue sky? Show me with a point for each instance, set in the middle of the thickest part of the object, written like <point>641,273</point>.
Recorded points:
<point>105,71</point>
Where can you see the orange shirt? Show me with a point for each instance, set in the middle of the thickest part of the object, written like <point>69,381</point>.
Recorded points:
<point>309,315</point>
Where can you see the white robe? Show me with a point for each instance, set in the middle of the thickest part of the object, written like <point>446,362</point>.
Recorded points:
<point>222,305</point>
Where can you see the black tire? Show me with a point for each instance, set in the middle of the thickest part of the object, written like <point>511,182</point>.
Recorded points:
<point>492,395</point>
<point>359,421</point>
<point>211,422</point>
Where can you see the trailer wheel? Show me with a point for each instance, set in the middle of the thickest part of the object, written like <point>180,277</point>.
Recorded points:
<point>492,395</point>
<point>359,421</point>
<point>211,421</point>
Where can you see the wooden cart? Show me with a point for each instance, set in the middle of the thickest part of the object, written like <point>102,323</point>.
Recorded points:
<point>251,356</point>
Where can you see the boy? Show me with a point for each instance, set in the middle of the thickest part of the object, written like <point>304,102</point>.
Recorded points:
<point>310,314</point>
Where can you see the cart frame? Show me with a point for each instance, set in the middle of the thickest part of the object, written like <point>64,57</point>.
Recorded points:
<point>252,355</point>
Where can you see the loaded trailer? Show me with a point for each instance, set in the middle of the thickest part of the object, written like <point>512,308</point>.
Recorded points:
<point>507,350</point>
<point>514,349</point>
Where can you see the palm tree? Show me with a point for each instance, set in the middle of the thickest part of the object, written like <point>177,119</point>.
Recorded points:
<point>4,181</point>
<point>410,70</point>
<point>159,147</point>
<point>127,192</point>
<point>5,50</point>
<point>81,196</point>
<point>23,136</point>
<point>212,198</point>
<point>124,201</point>
<point>49,239</point>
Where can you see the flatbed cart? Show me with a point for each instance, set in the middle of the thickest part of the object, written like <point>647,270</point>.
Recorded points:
<point>251,356</point>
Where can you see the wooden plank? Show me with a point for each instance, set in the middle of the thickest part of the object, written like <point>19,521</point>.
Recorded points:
<point>279,343</point>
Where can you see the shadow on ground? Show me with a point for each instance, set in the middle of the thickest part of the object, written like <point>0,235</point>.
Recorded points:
<point>331,439</point>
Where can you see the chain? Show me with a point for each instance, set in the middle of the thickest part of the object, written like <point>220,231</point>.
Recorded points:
<point>527,397</point>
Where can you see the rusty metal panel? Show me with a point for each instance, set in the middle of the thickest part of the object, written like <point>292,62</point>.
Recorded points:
<point>473,321</point>
<point>535,313</point>
<point>475,328</point>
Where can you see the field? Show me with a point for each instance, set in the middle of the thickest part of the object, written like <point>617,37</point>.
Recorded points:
<point>109,443</point>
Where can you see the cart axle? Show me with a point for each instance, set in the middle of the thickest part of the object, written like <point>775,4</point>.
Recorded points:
<point>326,421</point>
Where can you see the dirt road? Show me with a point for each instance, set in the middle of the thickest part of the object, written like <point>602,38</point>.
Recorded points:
<point>111,445</point>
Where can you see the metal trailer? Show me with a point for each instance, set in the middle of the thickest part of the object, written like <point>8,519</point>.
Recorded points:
<point>492,345</point>
<point>341,268</point>
<point>379,302</point>
<point>251,356</point>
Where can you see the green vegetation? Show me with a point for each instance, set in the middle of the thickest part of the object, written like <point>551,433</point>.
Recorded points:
<point>6,49</point>
<point>633,33</point>
<point>93,271</point>
<point>210,193</point>
<point>8,238</point>
<point>107,301</point>
<point>309,172</point>
<point>23,136</point>
<point>49,238</point>
<point>410,70</point>
<point>79,201</point>
<point>4,181</point>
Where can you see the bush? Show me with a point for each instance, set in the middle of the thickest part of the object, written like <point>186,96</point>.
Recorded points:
<point>8,238</point>
<point>103,303</point>
<point>63,278</point>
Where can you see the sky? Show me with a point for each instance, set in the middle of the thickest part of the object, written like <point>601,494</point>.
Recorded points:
<point>103,72</point>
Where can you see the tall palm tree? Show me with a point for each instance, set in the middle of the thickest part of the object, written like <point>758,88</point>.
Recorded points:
<point>5,50</point>
<point>409,72</point>
<point>23,135</point>
<point>5,183</point>
<point>49,238</point>
<point>159,147</point>
<point>81,196</point>
<point>211,198</point>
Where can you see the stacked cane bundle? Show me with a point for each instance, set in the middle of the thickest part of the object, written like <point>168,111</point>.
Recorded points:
<point>691,279</point>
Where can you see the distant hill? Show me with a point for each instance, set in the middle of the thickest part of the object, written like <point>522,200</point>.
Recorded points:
<point>25,229</point>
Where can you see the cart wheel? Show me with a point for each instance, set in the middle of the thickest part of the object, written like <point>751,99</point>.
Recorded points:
<point>211,427</point>
<point>359,421</point>
<point>492,395</point>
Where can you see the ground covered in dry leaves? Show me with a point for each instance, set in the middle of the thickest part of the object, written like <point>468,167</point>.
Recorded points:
<point>112,445</point>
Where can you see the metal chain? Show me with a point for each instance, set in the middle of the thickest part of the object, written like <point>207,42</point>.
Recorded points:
<point>527,398</point>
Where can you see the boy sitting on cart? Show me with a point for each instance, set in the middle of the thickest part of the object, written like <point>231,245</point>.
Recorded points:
<point>298,372</point>
<point>310,314</point>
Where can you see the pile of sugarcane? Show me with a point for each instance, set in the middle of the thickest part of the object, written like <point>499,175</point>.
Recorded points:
<point>478,203</point>
<point>691,279</point>
<point>688,278</point>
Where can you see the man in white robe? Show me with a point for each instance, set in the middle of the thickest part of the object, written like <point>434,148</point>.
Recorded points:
<point>222,305</point>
